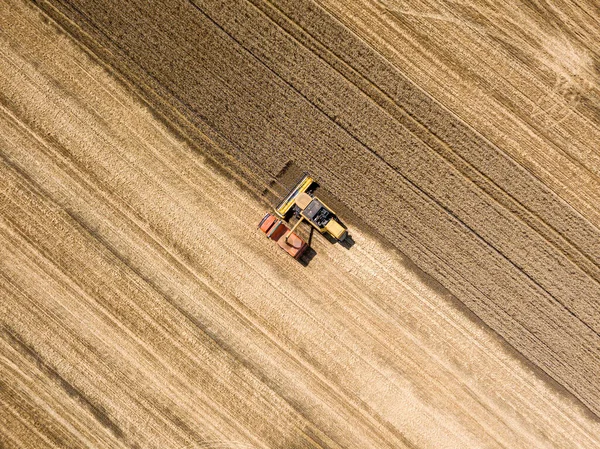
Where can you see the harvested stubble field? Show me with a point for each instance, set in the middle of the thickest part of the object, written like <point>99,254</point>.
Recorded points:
<point>141,308</point>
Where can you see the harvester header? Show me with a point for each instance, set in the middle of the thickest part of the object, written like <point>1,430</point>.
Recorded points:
<point>284,207</point>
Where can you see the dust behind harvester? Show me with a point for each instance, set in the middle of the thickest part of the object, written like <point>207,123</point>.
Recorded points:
<point>301,202</point>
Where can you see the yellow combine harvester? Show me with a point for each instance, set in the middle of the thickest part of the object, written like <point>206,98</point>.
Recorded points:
<point>301,201</point>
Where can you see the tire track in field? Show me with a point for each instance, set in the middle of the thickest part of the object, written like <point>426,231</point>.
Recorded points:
<point>134,269</point>
<point>509,254</point>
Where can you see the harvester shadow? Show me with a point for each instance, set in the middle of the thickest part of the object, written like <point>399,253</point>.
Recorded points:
<point>310,236</point>
<point>310,253</point>
<point>348,242</point>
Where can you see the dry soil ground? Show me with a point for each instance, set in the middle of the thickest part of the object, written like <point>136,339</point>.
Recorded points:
<point>141,308</point>
<point>506,220</point>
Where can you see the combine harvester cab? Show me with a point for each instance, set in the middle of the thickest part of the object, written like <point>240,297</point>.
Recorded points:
<point>289,241</point>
